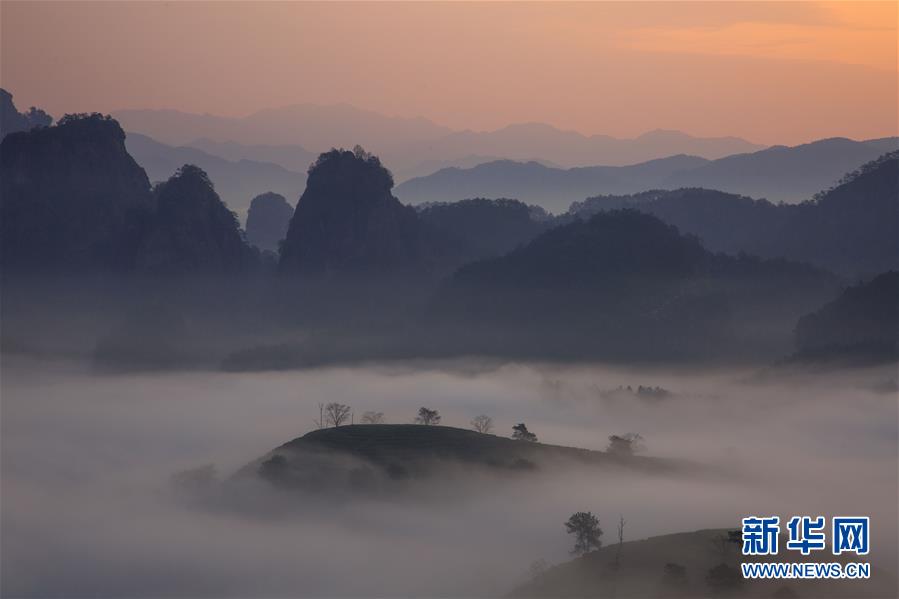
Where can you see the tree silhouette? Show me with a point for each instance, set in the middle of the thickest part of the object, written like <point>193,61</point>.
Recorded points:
<point>482,423</point>
<point>36,117</point>
<point>373,418</point>
<point>625,445</point>
<point>585,527</point>
<point>521,433</point>
<point>336,414</point>
<point>426,416</point>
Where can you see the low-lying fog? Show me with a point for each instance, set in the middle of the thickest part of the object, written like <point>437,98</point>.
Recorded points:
<point>87,507</point>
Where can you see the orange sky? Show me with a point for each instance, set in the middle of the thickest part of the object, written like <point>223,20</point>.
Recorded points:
<point>771,72</point>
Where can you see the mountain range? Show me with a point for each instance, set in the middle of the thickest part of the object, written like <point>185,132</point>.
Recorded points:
<point>851,228</point>
<point>552,188</point>
<point>861,323</point>
<point>658,275</point>
<point>236,181</point>
<point>74,200</point>
<point>623,283</point>
<point>411,146</point>
<point>780,174</point>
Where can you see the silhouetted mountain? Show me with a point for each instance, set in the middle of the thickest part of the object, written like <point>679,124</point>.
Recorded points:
<point>780,173</point>
<point>314,126</point>
<point>851,229</point>
<point>680,565</point>
<point>347,221</point>
<point>531,182</point>
<point>235,181</point>
<point>267,221</point>
<point>862,323</point>
<point>290,156</point>
<point>376,457</point>
<point>486,228</point>
<point>192,231</point>
<point>429,167</point>
<point>72,198</point>
<point>410,144</point>
<point>523,141</point>
<point>722,221</point>
<point>626,284</point>
<point>12,121</point>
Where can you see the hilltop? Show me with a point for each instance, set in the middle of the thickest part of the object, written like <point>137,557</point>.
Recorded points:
<point>373,456</point>
<point>678,565</point>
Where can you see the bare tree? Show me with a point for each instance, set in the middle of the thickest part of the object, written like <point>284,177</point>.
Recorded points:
<point>482,423</point>
<point>320,423</point>
<point>585,527</point>
<point>336,413</point>
<point>521,433</point>
<point>426,416</point>
<point>373,418</point>
<point>627,444</point>
<point>621,523</point>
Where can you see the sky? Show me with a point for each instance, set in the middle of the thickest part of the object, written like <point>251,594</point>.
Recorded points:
<point>771,72</point>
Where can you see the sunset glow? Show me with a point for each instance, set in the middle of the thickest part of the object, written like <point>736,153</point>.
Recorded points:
<point>770,72</point>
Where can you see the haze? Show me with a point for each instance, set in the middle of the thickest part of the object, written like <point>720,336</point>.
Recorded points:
<point>87,461</point>
<point>769,72</point>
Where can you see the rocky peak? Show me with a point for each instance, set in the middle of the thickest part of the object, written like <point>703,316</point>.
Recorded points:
<point>267,221</point>
<point>347,221</point>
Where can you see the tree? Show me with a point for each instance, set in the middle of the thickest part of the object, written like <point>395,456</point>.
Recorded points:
<point>37,118</point>
<point>621,523</point>
<point>373,418</point>
<point>426,416</point>
<point>627,444</point>
<point>585,527</point>
<point>482,423</point>
<point>336,414</point>
<point>521,433</point>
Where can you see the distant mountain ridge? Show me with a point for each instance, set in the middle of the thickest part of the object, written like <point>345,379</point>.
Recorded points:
<point>789,174</point>
<point>237,182</point>
<point>624,283</point>
<point>410,145</point>
<point>781,173</point>
<point>314,126</point>
<point>292,157</point>
<point>523,141</point>
<point>533,183</point>
<point>851,228</point>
